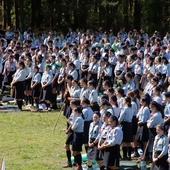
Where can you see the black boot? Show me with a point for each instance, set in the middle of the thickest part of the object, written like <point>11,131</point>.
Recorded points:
<point>54,101</point>
<point>37,104</point>
<point>68,153</point>
<point>26,100</point>
<point>19,103</point>
<point>30,99</point>
<point>79,159</point>
<point>124,148</point>
<point>129,152</point>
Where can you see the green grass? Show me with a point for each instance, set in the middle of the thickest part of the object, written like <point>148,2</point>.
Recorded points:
<point>28,142</point>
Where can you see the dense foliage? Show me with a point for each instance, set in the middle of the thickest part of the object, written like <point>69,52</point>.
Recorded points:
<point>61,14</point>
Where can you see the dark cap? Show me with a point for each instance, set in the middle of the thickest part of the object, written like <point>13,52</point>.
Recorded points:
<point>48,65</point>
<point>167,94</point>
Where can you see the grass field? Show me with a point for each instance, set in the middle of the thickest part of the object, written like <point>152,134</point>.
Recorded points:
<point>28,142</point>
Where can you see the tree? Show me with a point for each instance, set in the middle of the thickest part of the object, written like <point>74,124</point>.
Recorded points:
<point>3,14</point>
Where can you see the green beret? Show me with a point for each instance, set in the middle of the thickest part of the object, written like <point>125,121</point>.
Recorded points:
<point>48,65</point>
<point>57,64</point>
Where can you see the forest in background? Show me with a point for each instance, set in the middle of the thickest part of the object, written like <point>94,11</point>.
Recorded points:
<point>60,15</point>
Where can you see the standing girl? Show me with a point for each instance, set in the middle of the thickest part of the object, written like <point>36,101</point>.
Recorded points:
<point>125,120</point>
<point>93,133</point>
<point>19,83</point>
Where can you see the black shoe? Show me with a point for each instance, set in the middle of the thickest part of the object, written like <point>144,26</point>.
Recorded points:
<point>69,165</point>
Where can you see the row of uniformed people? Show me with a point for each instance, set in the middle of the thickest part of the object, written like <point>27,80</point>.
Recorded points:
<point>109,135</point>
<point>147,120</point>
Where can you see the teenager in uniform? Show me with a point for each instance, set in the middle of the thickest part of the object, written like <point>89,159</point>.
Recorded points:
<point>120,66</point>
<point>66,95</point>
<point>9,70</point>
<point>143,116</point>
<point>106,107</point>
<point>74,91</point>
<point>55,71</point>
<point>77,125</point>
<point>155,119</point>
<point>107,70</point>
<point>93,68</point>
<point>76,62</point>
<point>84,67</point>
<point>106,85</point>
<point>113,102</point>
<point>46,83</point>
<point>36,86</point>
<point>93,96</point>
<point>84,92</point>
<point>167,109</point>
<point>72,70</point>
<point>61,81</point>
<point>125,120</point>
<point>131,94</point>
<point>112,144</point>
<point>69,133</point>
<point>28,94</point>
<point>19,83</point>
<point>129,82</point>
<point>87,113</point>
<point>120,96</point>
<point>160,150</point>
<point>101,138</point>
<point>138,70</point>
<point>93,133</point>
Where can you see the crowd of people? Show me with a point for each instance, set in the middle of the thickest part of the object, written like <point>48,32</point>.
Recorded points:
<point>115,89</point>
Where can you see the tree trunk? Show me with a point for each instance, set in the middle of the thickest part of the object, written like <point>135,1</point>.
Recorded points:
<point>8,14</point>
<point>137,15</point>
<point>51,12</point>
<point>21,15</point>
<point>16,16</point>
<point>36,13</point>
<point>59,11</point>
<point>3,14</point>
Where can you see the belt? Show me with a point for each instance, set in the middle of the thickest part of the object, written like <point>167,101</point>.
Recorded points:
<point>78,132</point>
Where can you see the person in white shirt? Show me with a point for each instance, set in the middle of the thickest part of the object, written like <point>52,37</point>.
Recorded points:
<point>19,83</point>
